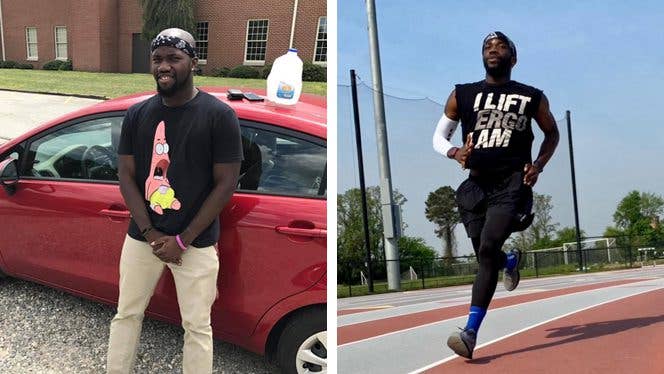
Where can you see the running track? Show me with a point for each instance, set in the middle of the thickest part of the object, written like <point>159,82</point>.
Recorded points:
<point>609,322</point>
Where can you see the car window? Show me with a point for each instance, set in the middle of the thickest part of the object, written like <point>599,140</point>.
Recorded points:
<point>85,150</point>
<point>277,163</point>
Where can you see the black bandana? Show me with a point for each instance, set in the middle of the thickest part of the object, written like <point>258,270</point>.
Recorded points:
<point>173,41</point>
<point>501,36</point>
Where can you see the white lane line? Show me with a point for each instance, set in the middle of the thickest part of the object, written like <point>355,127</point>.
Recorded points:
<point>429,295</point>
<point>407,309</point>
<point>501,308</point>
<point>377,307</point>
<point>450,358</point>
<point>417,307</point>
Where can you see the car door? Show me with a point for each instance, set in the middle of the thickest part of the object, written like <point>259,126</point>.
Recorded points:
<point>273,241</point>
<point>67,220</point>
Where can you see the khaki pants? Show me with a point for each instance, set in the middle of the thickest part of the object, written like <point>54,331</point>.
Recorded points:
<point>196,287</point>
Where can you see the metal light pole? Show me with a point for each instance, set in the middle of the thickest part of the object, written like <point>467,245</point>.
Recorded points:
<point>576,207</point>
<point>363,189</point>
<point>390,219</point>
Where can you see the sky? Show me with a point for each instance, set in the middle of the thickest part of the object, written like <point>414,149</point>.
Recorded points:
<point>601,60</point>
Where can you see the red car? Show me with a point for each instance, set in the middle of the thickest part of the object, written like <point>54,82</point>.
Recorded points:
<point>63,221</point>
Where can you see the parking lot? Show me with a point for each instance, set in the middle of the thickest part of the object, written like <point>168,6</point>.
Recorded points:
<point>20,111</point>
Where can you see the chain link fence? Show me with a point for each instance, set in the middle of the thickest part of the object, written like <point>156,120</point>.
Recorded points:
<point>442,272</point>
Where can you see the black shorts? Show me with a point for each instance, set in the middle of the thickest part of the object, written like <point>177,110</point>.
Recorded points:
<point>479,196</point>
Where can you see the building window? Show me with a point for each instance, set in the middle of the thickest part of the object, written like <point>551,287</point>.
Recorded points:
<point>256,42</point>
<point>202,42</point>
<point>31,43</point>
<point>320,56</point>
<point>60,43</point>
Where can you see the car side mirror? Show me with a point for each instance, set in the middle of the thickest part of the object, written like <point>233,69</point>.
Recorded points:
<point>9,175</point>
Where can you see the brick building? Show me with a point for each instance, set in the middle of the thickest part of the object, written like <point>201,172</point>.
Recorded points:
<point>104,35</point>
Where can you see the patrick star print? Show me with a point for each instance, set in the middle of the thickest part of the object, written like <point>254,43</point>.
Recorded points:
<point>158,190</point>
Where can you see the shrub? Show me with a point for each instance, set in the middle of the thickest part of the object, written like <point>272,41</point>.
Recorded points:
<point>67,65</point>
<point>266,71</point>
<point>58,65</point>
<point>242,71</point>
<point>221,72</point>
<point>53,65</point>
<point>14,65</point>
<point>8,64</point>
<point>313,73</point>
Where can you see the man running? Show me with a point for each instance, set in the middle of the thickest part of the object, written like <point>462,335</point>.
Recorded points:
<point>496,199</point>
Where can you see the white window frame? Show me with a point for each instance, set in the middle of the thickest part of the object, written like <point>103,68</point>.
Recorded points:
<point>66,42</point>
<point>246,44</point>
<point>27,44</point>
<point>322,63</point>
<point>203,61</point>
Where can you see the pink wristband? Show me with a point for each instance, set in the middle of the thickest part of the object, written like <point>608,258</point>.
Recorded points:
<point>180,243</point>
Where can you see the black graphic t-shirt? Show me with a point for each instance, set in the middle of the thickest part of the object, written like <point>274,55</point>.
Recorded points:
<point>174,150</point>
<point>499,117</point>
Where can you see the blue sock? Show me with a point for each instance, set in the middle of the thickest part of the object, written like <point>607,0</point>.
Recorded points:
<point>475,318</point>
<point>510,264</point>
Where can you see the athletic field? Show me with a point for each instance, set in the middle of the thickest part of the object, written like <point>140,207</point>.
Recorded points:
<point>610,322</point>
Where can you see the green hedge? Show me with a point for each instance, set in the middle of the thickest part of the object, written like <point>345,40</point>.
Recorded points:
<point>245,72</point>
<point>221,72</point>
<point>58,65</point>
<point>310,72</point>
<point>266,71</point>
<point>14,65</point>
<point>314,73</point>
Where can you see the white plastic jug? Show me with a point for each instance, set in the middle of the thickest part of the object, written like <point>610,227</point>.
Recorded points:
<point>284,84</point>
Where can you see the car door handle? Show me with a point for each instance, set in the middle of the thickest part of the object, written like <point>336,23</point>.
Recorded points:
<point>313,233</point>
<point>115,213</point>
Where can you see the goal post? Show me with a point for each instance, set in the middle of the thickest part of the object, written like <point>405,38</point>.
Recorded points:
<point>594,250</point>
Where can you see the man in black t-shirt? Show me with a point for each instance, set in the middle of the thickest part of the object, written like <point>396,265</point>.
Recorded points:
<point>179,159</point>
<point>496,199</point>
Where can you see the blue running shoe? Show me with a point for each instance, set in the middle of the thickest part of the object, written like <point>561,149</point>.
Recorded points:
<point>512,277</point>
<point>463,342</point>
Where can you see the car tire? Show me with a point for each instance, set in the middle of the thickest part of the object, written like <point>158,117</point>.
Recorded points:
<point>303,343</point>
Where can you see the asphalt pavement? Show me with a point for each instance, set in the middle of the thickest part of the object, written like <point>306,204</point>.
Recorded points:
<point>20,112</point>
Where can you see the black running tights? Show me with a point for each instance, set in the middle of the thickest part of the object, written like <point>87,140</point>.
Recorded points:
<point>488,249</point>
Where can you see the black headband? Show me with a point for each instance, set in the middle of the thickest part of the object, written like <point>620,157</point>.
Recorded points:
<point>501,36</point>
<point>173,41</point>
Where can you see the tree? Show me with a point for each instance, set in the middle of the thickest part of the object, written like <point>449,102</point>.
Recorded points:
<point>351,252</point>
<point>543,227</point>
<point>540,233</point>
<point>566,235</point>
<point>163,14</point>
<point>415,252</point>
<point>522,240</point>
<point>637,207</point>
<point>637,216</point>
<point>441,209</point>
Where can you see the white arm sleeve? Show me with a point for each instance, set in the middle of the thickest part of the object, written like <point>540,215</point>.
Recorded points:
<point>444,131</point>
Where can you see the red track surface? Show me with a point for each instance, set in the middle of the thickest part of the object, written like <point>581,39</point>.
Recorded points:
<point>355,332</point>
<point>624,336</point>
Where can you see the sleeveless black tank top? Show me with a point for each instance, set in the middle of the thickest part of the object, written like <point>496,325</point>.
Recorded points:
<point>499,117</point>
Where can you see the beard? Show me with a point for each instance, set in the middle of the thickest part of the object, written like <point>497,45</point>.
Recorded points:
<point>178,84</point>
<point>502,69</point>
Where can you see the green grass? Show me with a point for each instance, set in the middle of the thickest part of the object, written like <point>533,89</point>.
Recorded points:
<point>110,85</point>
